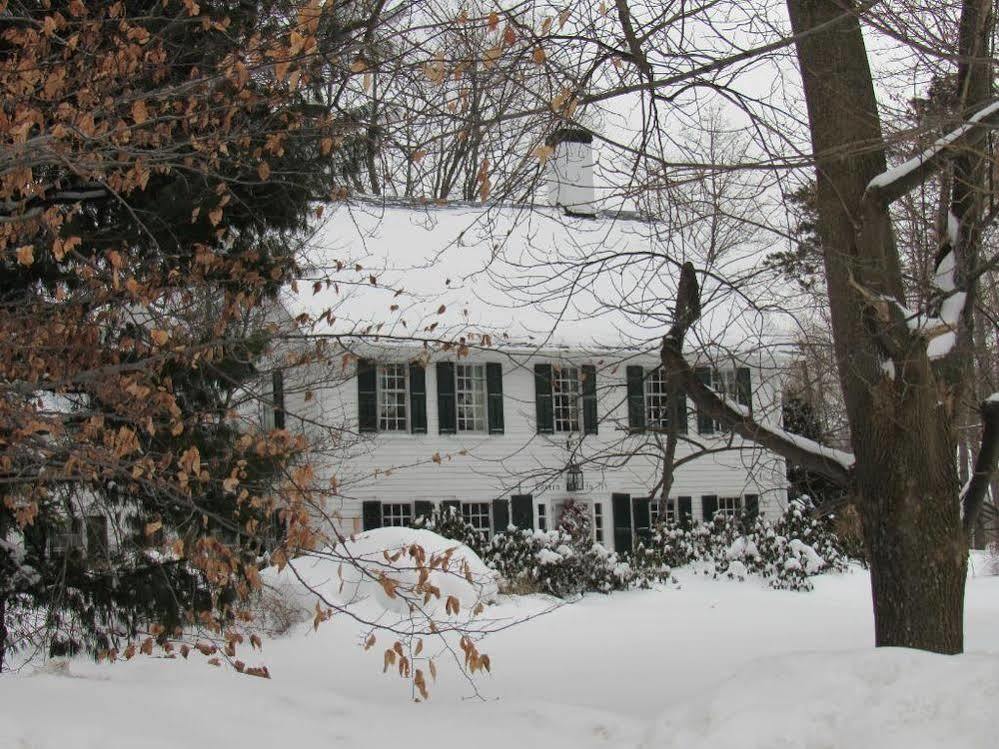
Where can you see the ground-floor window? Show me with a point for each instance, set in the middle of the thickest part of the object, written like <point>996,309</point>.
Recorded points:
<point>397,514</point>
<point>598,522</point>
<point>729,506</point>
<point>477,515</point>
<point>542,518</point>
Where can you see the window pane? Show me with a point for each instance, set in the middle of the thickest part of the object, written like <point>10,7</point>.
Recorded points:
<point>470,397</point>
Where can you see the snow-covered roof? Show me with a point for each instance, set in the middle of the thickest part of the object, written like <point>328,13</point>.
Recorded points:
<point>525,276</point>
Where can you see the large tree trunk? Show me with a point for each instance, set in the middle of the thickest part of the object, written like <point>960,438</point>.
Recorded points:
<point>902,423</point>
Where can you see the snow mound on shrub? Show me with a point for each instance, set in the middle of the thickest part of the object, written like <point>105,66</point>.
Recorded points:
<point>892,698</point>
<point>352,572</point>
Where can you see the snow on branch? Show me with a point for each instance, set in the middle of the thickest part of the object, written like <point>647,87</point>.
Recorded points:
<point>834,465</point>
<point>892,184</point>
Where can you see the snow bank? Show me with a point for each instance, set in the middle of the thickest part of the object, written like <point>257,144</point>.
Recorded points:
<point>891,698</point>
<point>352,572</point>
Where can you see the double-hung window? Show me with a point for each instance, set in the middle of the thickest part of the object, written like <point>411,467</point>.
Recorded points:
<point>392,396</point>
<point>565,398</point>
<point>729,506</point>
<point>477,515</point>
<point>598,522</point>
<point>397,514</point>
<point>470,397</point>
<point>656,400</point>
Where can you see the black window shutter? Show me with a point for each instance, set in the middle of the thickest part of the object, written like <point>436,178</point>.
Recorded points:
<point>371,514</point>
<point>494,390</point>
<point>705,424</point>
<point>544,408</point>
<point>522,511</point>
<point>636,398</point>
<point>685,511</point>
<point>277,398</point>
<point>589,399</point>
<point>417,399</point>
<point>709,506</point>
<point>422,508</point>
<point>681,410</point>
<point>501,515</point>
<point>367,396</point>
<point>744,387</point>
<point>752,506</point>
<point>643,531</point>
<point>452,504</point>
<point>621,512</point>
<point>447,417</point>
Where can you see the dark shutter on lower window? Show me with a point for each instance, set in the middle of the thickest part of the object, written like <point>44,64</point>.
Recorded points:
<point>621,513</point>
<point>543,405</point>
<point>367,396</point>
<point>709,506</point>
<point>422,508</point>
<point>589,398</point>
<point>277,397</point>
<point>752,506</point>
<point>452,504</point>
<point>643,530</point>
<point>417,399</point>
<point>494,396</point>
<point>447,418</point>
<point>522,511</point>
<point>371,514</point>
<point>501,515</point>
<point>744,387</point>
<point>685,511</point>
<point>705,424</point>
<point>636,398</point>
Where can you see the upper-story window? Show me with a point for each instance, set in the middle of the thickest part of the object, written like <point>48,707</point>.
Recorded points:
<point>470,397</point>
<point>565,398</point>
<point>649,400</point>
<point>733,384</point>
<point>392,396</point>
<point>656,400</point>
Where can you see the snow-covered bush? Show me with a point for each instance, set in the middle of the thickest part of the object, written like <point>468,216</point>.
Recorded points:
<point>786,552</point>
<point>574,520</point>
<point>449,522</point>
<point>554,562</point>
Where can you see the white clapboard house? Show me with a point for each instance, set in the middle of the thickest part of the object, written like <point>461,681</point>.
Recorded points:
<point>551,390</point>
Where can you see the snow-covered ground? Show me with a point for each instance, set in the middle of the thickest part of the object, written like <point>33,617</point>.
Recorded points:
<point>712,664</point>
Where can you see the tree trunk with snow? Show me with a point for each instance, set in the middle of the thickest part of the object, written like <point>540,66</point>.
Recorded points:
<point>901,398</point>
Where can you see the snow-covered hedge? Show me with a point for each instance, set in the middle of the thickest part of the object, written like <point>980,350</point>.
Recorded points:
<point>554,562</point>
<point>786,552</point>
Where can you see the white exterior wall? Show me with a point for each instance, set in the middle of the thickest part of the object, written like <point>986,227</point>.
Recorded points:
<point>399,467</point>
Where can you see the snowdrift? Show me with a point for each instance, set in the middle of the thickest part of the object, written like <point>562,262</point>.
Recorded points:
<point>890,698</point>
<point>351,573</point>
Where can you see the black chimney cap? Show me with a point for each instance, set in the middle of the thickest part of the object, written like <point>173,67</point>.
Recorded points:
<point>569,135</point>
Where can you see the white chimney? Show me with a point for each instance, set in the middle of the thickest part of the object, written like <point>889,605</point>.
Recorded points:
<point>570,175</point>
